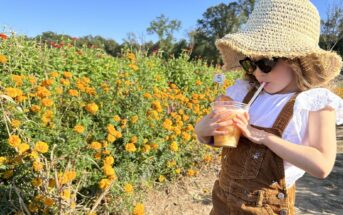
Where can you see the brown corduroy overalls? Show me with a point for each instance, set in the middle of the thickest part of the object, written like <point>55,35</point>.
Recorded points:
<point>252,177</point>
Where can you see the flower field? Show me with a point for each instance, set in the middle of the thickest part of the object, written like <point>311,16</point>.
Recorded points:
<point>85,133</point>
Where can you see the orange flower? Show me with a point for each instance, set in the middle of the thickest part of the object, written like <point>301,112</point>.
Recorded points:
<point>3,59</point>
<point>130,147</point>
<point>14,140</point>
<point>79,129</point>
<point>92,108</point>
<point>104,183</point>
<point>46,102</point>
<point>67,74</point>
<point>138,210</point>
<point>41,147</point>
<point>95,145</point>
<point>73,92</point>
<point>128,188</point>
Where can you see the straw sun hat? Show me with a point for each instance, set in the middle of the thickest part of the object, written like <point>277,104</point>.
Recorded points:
<point>280,28</point>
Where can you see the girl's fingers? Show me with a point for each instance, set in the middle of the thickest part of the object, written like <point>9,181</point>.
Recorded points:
<point>223,124</point>
<point>242,118</point>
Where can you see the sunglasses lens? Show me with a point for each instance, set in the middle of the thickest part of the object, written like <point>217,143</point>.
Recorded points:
<point>266,65</point>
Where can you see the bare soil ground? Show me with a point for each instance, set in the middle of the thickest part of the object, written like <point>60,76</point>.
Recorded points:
<point>193,195</point>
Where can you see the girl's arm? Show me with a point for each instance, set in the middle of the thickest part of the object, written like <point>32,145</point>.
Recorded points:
<point>317,156</point>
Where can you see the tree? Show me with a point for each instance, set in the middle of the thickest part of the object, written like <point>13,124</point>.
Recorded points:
<point>331,37</point>
<point>164,28</point>
<point>218,21</point>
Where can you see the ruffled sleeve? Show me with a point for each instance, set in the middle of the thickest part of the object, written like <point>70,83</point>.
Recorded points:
<point>317,99</point>
<point>238,90</point>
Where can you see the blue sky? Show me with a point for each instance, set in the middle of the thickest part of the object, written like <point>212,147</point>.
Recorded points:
<point>110,19</point>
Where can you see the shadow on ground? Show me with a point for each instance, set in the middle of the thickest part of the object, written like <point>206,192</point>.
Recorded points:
<point>316,196</point>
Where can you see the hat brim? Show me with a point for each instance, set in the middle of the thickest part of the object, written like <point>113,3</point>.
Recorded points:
<point>234,47</point>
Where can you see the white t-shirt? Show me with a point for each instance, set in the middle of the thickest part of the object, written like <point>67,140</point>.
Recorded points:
<point>266,108</point>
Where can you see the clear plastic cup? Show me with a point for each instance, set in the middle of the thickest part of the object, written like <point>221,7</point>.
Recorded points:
<point>232,137</point>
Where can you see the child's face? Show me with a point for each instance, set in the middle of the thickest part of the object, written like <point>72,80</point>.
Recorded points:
<point>280,80</point>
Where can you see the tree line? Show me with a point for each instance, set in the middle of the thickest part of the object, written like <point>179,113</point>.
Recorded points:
<point>216,22</point>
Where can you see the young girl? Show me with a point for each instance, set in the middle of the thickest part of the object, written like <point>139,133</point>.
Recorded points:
<point>290,127</point>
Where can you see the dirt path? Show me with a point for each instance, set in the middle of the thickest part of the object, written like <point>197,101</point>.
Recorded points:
<point>193,195</point>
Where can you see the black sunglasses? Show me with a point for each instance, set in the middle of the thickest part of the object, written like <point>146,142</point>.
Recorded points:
<point>265,65</point>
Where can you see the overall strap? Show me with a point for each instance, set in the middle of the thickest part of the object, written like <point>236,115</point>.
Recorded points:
<point>249,95</point>
<point>285,115</point>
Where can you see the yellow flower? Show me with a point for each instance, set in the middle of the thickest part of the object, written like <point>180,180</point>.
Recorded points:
<point>47,82</point>
<point>171,163</point>
<point>146,148</point>
<point>156,105</point>
<point>134,67</point>
<point>174,147</point>
<point>73,92</point>
<point>23,148</point>
<point>110,138</point>
<point>116,118</point>
<point>42,92</point>
<point>2,160</point>
<point>15,123</point>
<point>66,177</point>
<point>46,102</point>
<point>138,210</point>
<point>59,90</point>
<point>178,171</point>
<point>207,158</point>
<point>37,182</point>
<point>3,59</point>
<point>161,178</point>
<point>35,108</point>
<point>111,129</point>
<point>41,147</point>
<point>191,172</point>
<point>14,140</point>
<point>65,82</point>
<point>154,145</point>
<point>37,166</point>
<point>54,74</point>
<point>18,79</point>
<point>147,95</point>
<point>131,56</point>
<point>167,124</point>
<point>186,136</point>
<point>128,188</point>
<point>134,139</point>
<point>109,160</point>
<point>104,183</point>
<point>79,129</point>
<point>108,170</point>
<point>92,108</point>
<point>134,119</point>
<point>13,92</point>
<point>95,145</point>
<point>130,147</point>
<point>66,194</point>
<point>67,74</point>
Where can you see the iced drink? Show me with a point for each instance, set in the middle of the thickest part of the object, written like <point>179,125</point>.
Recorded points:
<point>232,137</point>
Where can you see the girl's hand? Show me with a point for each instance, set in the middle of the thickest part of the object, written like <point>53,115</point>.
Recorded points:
<point>255,135</point>
<point>213,124</point>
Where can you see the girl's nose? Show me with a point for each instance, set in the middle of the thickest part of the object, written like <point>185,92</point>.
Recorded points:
<point>258,72</point>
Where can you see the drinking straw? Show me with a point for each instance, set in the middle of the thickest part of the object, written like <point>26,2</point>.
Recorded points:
<point>256,94</point>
